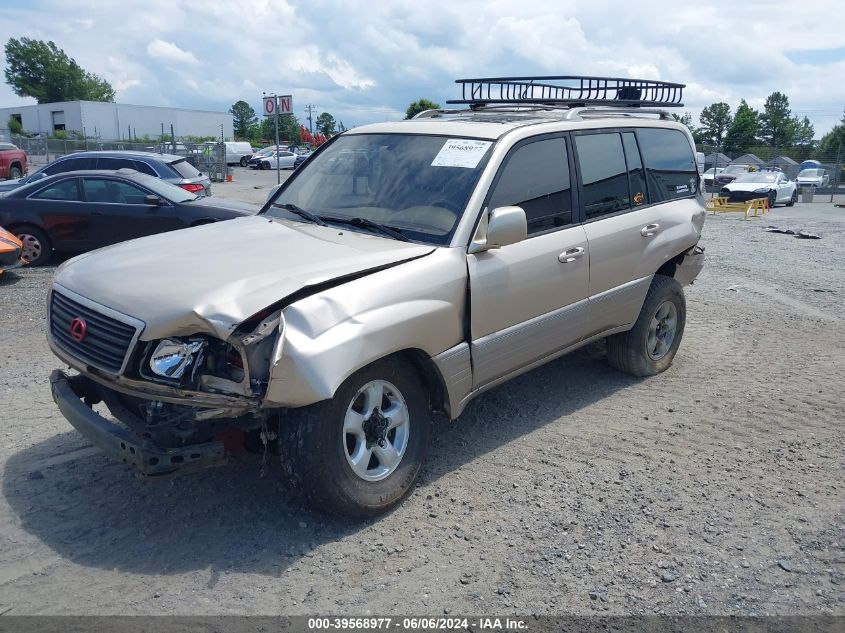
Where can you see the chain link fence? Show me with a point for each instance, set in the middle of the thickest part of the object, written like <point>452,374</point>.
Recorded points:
<point>209,157</point>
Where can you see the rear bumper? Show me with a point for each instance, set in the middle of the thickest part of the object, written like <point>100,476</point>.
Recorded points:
<point>121,444</point>
<point>690,266</point>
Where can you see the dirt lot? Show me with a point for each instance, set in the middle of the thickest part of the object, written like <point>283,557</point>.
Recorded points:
<point>717,487</point>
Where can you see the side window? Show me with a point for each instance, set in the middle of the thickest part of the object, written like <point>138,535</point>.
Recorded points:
<point>144,168</point>
<point>71,164</point>
<point>536,177</point>
<point>113,191</point>
<point>669,164</point>
<point>636,175</point>
<point>62,190</point>
<point>115,163</point>
<point>604,177</point>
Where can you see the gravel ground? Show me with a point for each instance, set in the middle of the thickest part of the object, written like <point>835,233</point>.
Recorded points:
<point>717,487</point>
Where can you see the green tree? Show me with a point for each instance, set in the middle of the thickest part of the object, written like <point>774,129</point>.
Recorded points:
<point>14,126</point>
<point>39,69</point>
<point>341,127</point>
<point>326,124</point>
<point>715,121</point>
<point>777,127</point>
<point>420,106</point>
<point>804,132</point>
<point>243,117</point>
<point>742,132</point>
<point>833,140</point>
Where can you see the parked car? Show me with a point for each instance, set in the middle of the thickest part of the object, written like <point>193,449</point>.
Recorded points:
<point>13,161</point>
<point>813,178</point>
<point>300,159</point>
<point>285,160</point>
<point>773,185</point>
<point>731,172</point>
<point>403,270</point>
<point>256,158</point>
<point>173,169</point>
<point>83,210</point>
<point>710,175</point>
<point>11,251</point>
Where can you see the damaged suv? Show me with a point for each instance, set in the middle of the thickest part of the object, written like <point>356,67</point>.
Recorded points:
<point>406,268</point>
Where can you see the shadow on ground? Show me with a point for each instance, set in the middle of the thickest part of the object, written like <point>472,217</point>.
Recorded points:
<point>97,513</point>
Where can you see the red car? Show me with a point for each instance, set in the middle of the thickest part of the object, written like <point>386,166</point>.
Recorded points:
<point>10,252</point>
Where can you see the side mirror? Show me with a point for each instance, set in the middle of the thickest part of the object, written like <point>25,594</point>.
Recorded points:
<point>153,201</point>
<point>503,226</point>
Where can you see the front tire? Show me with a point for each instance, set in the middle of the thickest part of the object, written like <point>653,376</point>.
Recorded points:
<point>358,454</point>
<point>37,249</point>
<point>650,346</point>
<point>264,165</point>
<point>243,161</point>
<point>15,172</point>
<point>793,199</point>
<point>773,198</point>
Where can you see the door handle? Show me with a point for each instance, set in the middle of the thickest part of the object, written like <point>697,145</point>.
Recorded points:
<point>570,255</point>
<point>650,229</point>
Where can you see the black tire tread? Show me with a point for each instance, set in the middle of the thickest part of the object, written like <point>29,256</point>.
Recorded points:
<point>624,351</point>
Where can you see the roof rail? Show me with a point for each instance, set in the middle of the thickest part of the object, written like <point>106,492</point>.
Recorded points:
<point>570,91</point>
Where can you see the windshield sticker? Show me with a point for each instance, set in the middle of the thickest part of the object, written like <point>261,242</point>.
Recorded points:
<point>459,152</point>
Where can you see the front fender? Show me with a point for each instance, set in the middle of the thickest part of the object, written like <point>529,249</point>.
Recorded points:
<point>330,335</point>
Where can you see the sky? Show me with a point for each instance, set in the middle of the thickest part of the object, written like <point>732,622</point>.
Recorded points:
<point>366,61</point>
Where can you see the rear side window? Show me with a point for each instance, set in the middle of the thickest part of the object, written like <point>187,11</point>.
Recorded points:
<point>71,164</point>
<point>62,190</point>
<point>536,178</point>
<point>669,164</point>
<point>112,191</point>
<point>636,175</point>
<point>604,177</point>
<point>115,163</point>
<point>185,169</point>
<point>145,169</point>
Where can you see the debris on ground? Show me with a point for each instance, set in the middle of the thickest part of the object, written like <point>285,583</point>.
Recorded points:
<point>802,235</point>
<point>806,235</point>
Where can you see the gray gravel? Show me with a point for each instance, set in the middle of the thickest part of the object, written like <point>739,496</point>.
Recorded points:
<point>717,487</point>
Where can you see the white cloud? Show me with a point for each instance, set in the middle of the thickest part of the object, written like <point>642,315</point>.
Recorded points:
<point>365,61</point>
<point>169,52</point>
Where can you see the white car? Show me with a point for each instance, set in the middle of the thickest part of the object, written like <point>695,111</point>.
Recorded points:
<point>773,185</point>
<point>710,175</point>
<point>284,159</point>
<point>813,178</point>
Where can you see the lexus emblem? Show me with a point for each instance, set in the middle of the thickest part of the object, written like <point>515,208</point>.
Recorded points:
<point>78,329</point>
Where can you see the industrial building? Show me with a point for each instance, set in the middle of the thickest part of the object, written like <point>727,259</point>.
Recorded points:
<point>118,121</point>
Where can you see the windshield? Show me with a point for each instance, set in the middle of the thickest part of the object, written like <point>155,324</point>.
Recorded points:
<point>810,173</point>
<point>416,184</point>
<point>757,177</point>
<point>736,169</point>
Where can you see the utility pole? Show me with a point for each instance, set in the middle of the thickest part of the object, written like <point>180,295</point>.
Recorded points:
<point>310,108</point>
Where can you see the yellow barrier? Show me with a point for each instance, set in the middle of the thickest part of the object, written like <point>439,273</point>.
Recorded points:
<point>721,204</point>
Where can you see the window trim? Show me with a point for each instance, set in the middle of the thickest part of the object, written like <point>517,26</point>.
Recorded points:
<point>577,216</point>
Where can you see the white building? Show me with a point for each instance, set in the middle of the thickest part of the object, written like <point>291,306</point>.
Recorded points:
<point>117,121</point>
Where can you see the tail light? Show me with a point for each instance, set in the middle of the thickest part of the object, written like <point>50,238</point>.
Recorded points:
<point>192,187</point>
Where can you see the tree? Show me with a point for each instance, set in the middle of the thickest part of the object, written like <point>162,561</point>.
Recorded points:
<point>341,127</point>
<point>243,118</point>
<point>777,127</point>
<point>715,120</point>
<point>804,132</point>
<point>420,106</point>
<point>14,126</point>
<point>834,140</point>
<point>742,132</point>
<point>39,69</point>
<point>326,124</point>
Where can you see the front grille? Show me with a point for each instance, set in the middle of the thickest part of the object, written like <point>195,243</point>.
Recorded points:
<point>106,341</point>
<point>744,196</point>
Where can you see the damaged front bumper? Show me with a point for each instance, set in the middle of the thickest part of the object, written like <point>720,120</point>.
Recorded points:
<point>122,444</point>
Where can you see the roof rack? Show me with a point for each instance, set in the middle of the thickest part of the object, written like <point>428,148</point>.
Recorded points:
<point>569,91</point>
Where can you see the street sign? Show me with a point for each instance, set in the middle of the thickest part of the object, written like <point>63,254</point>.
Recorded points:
<point>286,104</point>
<point>269,106</point>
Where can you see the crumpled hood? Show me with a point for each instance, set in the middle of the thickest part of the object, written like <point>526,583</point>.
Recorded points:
<point>750,186</point>
<point>212,277</point>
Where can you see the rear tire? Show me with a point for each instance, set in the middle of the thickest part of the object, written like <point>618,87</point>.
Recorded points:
<point>15,172</point>
<point>243,161</point>
<point>650,346</point>
<point>332,448</point>
<point>37,248</point>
